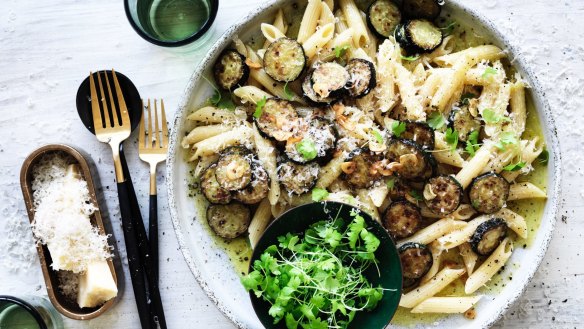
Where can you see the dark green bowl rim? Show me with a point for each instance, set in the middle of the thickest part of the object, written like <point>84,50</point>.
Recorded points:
<point>28,307</point>
<point>257,253</point>
<point>212,15</point>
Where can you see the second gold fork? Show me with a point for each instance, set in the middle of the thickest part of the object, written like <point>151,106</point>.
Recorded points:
<point>153,147</point>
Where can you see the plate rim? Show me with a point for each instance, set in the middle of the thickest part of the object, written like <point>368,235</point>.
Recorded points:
<point>544,113</point>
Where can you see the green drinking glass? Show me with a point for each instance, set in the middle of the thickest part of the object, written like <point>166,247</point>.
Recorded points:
<point>171,23</point>
<point>28,312</point>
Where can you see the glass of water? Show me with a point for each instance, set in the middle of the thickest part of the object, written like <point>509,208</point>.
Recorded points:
<point>171,23</point>
<point>28,312</point>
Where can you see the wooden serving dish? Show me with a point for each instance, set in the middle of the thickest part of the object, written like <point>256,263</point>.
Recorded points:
<point>64,305</point>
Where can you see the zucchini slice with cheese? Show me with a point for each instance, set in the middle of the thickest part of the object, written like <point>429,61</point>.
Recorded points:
<point>461,120</point>
<point>278,119</point>
<point>258,187</point>
<point>383,16</point>
<point>329,80</point>
<point>402,219</point>
<point>442,194</point>
<point>211,188</point>
<point>423,35</point>
<point>298,178</point>
<point>419,132</point>
<point>416,164</point>
<point>362,77</point>
<point>233,170</point>
<point>488,236</point>
<point>488,192</point>
<point>284,60</point>
<point>319,135</point>
<point>358,168</point>
<point>416,260</point>
<point>310,95</point>
<point>228,220</point>
<point>230,70</point>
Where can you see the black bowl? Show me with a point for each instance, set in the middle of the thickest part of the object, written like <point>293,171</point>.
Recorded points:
<point>297,220</point>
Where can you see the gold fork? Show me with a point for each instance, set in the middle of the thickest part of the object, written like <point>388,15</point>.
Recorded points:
<point>153,146</point>
<point>113,127</point>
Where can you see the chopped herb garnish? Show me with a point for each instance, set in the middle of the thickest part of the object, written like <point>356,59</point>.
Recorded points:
<point>410,58</point>
<point>259,108</point>
<point>489,71</point>
<point>316,279</point>
<point>472,143</point>
<point>436,120</point>
<point>489,116</point>
<point>544,157</point>
<point>319,194</point>
<point>514,166</point>
<point>307,149</point>
<point>397,128</point>
<point>220,100</point>
<point>390,183</point>
<point>416,195</point>
<point>448,29</point>
<point>377,136</point>
<point>451,138</point>
<point>341,50</point>
<point>506,138</point>
<point>289,94</point>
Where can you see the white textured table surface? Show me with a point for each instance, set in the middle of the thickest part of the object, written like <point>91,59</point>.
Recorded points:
<point>48,47</point>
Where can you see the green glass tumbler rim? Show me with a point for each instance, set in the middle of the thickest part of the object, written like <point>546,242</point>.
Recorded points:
<point>214,7</point>
<point>28,307</point>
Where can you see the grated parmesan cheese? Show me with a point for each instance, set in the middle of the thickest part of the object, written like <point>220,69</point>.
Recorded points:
<point>62,208</point>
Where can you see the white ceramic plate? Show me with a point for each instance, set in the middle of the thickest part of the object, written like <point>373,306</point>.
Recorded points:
<point>211,266</point>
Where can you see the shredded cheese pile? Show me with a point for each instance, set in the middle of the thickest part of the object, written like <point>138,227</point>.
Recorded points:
<point>62,208</point>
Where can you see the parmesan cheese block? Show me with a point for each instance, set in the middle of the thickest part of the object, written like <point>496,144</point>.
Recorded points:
<point>96,285</point>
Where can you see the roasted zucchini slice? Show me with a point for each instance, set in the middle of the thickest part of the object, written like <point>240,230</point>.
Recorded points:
<point>488,236</point>
<point>442,194</point>
<point>402,219</point>
<point>297,178</point>
<point>211,188</point>
<point>230,70</point>
<point>233,170</point>
<point>428,9</point>
<point>423,35</point>
<point>284,60</point>
<point>399,189</point>
<point>357,169</point>
<point>278,119</point>
<point>228,220</point>
<point>383,16</point>
<point>310,95</point>
<point>462,121</point>
<point>416,260</point>
<point>417,165</point>
<point>320,133</point>
<point>329,80</point>
<point>488,192</point>
<point>257,189</point>
<point>421,133</point>
<point>400,37</point>
<point>362,77</point>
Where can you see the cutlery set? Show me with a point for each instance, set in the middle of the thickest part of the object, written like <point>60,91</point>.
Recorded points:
<point>112,125</point>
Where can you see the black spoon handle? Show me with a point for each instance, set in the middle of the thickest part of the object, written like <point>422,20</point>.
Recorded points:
<point>144,247</point>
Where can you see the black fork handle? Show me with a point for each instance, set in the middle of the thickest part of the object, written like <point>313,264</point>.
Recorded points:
<point>153,232</point>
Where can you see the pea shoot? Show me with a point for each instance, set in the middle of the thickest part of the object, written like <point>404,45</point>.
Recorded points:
<point>317,280</point>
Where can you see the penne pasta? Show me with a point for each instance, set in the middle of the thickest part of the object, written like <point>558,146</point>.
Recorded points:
<point>434,231</point>
<point>320,38</point>
<point>526,190</point>
<point>518,106</point>
<point>354,20</point>
<point>436,262</point>
<point>267,156</point>
<point>326,15</point>
<point>271,33</point>
<point>462,235</point>
<point>515,221</point>
<point>469,257</point>
<point>259,222</point>
<point>251,94</point>
<point>309,20</point>
<point>203,132</point>
<point>446,304</point>
<point>480,53</point>
<point>329,172</point>
<point>489,267</point>
<point>475,165</point>
<point>443,152</point>
<point>210,115</point>
<point>280,24</point>
<point>213,145</point>
<point>430,288</point>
